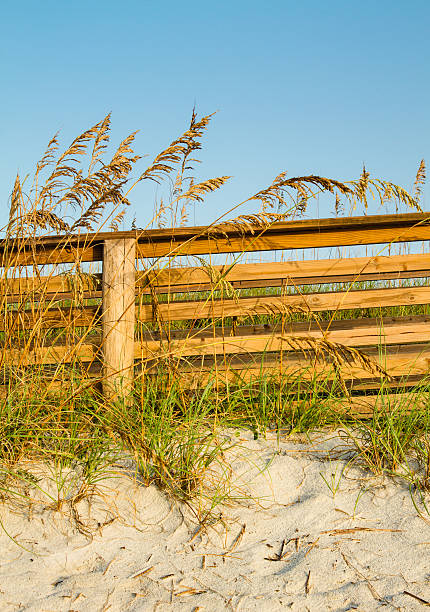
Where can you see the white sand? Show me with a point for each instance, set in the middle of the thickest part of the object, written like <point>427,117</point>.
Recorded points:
<point>227,567</point>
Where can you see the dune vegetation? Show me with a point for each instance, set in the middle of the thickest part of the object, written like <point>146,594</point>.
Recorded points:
<point>175,433</point>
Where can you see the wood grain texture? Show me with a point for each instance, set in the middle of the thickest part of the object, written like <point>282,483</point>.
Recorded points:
<point>401,365</point>
<point>314,302</point>
<point>364,406</point>
<point>84,351</point>
<point>313,233</point>
<point>241,275</point>
<point>301,234</point>
<point>219,341</point>
<point>290,272</point>
<point>67,318</point>
<point>269,241</point>
<point>399,361</point>
<point>118,317</point>
<point>49,287</point>
<point>403,362</point>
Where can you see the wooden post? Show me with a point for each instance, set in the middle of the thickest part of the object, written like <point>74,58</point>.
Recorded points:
<point>118,317</point>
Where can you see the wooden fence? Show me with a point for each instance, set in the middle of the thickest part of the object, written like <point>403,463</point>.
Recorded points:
<point>231,322</point>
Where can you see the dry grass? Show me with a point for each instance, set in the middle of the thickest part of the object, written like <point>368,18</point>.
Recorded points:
<point>54,412</point>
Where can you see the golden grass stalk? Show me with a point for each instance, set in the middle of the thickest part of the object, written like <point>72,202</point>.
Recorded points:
<point>68,195</point>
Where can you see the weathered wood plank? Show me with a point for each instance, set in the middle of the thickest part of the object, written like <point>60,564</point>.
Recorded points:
<point>270,242</point>
<point>256,329</point>
<point>365,406</point>
<point>314,302</point>
<point>288,235</point>
<point>398,361</point>
<point>84,351</point>
<point>296,272</point>
<point>240,275</point>
<point>217,341</point>
<point>43,254</point>
<point>402,353</point>
<point>406,367</point>
<point>301,234</point>
<point>118,312</point>
<point>350,280</point>
<point>49,287</point>
<point>66,318</point>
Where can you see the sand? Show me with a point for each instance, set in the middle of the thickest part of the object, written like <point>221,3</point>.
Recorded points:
<point>298,546</point>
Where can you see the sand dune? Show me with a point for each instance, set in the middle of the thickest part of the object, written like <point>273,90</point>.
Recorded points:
<point>298,547</point>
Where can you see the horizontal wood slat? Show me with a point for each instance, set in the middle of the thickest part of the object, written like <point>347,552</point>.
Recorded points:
<point>83,351</point>
<point>49,286</point>
<point>247,340</point>
<point>352,377</point>
<point>405,353</point>
<point>247,306</point>
<point>398,363</point>
<point>288,235</point>
<point>296,272</point>
<point>66,318</point>
<point>255,329</point>
<point>314,302</point>
<point>43,254</point>
<point>283,282</point>
<point>240,275</point>
<point>413,359</point>
<point>364,406</point>
<point>301,234</point>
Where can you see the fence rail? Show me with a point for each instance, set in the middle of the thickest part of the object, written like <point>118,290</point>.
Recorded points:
<point>226,238</point>
<point>229,322</point>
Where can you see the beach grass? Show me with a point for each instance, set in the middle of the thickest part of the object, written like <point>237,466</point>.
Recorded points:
<point>175,437</point>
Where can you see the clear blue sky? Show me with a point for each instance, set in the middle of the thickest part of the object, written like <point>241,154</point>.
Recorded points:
<point>309,87</point>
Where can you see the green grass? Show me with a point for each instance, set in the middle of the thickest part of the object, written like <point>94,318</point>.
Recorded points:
<point>176,435</point>
<point>177,438</point>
